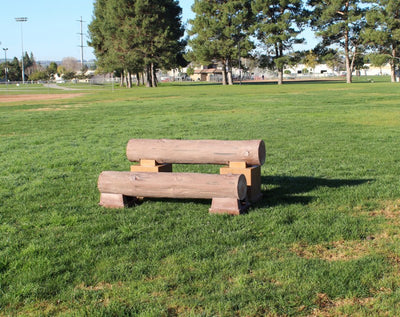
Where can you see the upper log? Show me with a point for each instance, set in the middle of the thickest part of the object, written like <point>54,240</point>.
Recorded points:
<point>196,151</point>
<point>173,185</point>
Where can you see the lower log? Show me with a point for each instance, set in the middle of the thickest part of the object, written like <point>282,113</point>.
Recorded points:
<point>173,185</point>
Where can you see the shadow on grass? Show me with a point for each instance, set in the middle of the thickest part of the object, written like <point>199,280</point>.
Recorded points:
<point>285,188</point>
<point>291,82</point>
<point>286,191</point>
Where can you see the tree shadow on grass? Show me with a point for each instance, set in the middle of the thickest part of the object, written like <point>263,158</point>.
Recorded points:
<point>289,190</point>
<point>291,82</point>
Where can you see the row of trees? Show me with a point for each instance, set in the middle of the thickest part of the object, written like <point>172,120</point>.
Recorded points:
<point>137,37</point>
<point>225,29</point>
<point>140,36</point>
<point>14,68</point>
<point>35,71</point>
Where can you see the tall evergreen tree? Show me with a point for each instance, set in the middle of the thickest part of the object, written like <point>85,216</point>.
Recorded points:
<point>340,22</point>
<point>136,35</point>
<point>219,32</point>
<point>383,31</point>
<point>278,24</point>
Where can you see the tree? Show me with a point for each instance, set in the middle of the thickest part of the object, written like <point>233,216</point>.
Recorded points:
<point>14,70</point>
<point>52,69</point>
<point>340,22</point>
<point>278,24</point>
<point>219,32</point>
<point>69,75</point>
<point>39,75</point>
<point>137,36</point>
<point>383,31</point>
<point>311,60</point>
<point>70,64</point>
<point>378,60</point>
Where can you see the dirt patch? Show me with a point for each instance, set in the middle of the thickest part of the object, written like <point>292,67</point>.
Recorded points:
<point>17,98</point>
<point>328,307</point>
<point>334,251</point>
<point>343,250</point>
<point>98,287</point>
<point>390,212</point>
<point>59,108</point>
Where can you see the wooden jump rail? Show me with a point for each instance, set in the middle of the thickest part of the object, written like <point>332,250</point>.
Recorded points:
<point>241,157</point>
<point>226,191</point>
<point>243,160</point>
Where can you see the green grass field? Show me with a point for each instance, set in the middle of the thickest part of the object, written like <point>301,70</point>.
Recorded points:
<point>324,240</point>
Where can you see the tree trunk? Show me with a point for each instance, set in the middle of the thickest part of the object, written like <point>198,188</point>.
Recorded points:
<point>137,79</point>
<point>148,76</point>
<point>347,56</point>
<point>280,76</point>
<point>153,76</point>
<point>279,53</point>
<point>393,66</point>
<point>122,79</point>
<point>224,74</point>
<point>230,79</point>
<point>142,78</point>
<point>129,80</point>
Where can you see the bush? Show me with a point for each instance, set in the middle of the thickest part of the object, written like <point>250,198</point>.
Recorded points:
<point>69,75</point>
<point>39,76</point>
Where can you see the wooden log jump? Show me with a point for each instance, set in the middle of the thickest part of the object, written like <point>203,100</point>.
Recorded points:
<point>226,191</point>
<point>242,157</point>
<point>251,152</point>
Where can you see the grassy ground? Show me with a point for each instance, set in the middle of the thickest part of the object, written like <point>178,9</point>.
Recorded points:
<point>324,240</point>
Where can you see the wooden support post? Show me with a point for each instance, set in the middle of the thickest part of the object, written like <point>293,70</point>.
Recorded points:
<point>151,166</point>
<point>116,200</point>
<point>252,174</point>
<point>228,206</point>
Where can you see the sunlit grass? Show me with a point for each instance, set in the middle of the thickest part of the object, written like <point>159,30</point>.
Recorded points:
<point>323,240</point>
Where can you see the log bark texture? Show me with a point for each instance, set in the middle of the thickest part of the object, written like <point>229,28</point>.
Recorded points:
<point>173,185</point>
<point>196,151</point>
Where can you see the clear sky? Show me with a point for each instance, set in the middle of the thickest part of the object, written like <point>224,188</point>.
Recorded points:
<point>52,30</point>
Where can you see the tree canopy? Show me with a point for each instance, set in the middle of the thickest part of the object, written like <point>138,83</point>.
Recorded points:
<point>340,22</point>
<point>383,32</point>
<point>278,24</point>
<point>220,33</point>
<point>137,36</point>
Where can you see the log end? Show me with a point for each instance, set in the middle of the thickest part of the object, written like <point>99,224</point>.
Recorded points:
<point>261,152</point>
<point>242,187</point>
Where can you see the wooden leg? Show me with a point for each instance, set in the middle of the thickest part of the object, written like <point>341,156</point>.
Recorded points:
<point>253,178</point>
<point>228,206</point>
<point>116,200</point>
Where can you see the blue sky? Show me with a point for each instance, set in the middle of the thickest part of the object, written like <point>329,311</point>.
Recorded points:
<point>51,31</point>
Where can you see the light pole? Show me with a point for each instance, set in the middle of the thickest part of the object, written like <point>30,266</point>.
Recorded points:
<point>5,62</point>
<point>22,19</point>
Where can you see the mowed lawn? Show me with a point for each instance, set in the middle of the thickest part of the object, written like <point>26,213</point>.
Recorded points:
<point>325,238</point>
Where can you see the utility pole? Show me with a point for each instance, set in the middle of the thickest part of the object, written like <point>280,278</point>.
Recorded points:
<point>81,46</point>
<point>23,19</point>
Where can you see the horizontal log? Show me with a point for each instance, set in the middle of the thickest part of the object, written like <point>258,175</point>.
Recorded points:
<point>196,151</point>
<point>173,185</point>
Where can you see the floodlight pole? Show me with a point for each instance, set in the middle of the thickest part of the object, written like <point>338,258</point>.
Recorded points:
<point>5,62</point>
<point>22,19</point>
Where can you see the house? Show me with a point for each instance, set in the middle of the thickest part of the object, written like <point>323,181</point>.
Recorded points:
<point>207,74</point>
<point>320,70</point>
